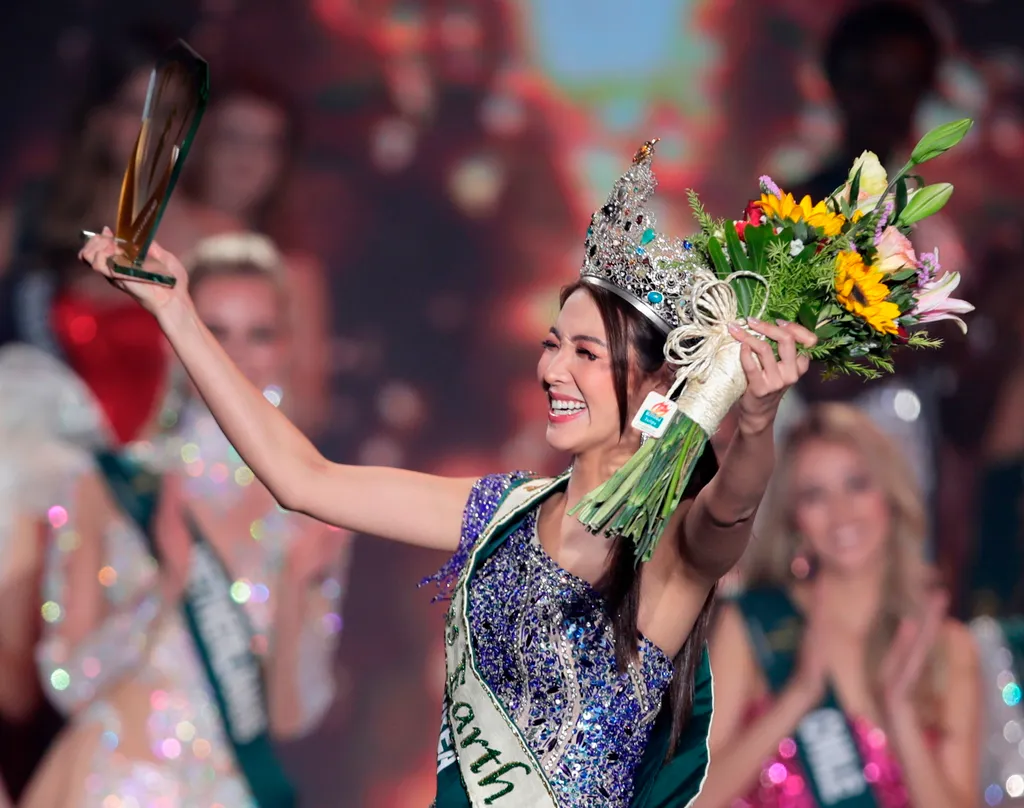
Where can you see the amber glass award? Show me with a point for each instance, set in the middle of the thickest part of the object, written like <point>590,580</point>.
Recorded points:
<point>178,91</point>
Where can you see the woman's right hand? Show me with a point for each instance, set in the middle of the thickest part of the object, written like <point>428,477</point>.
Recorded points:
<point>153,296</point>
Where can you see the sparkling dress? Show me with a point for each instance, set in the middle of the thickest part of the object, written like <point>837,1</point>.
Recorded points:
<point>546,649</point>
<point>782,782</point>
<point>146,731</point>
<point>47,417</point>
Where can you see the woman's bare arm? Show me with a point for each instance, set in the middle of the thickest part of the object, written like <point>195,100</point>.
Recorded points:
<point>717,528</point>
<point>405,506</point>
<point>19,622</point>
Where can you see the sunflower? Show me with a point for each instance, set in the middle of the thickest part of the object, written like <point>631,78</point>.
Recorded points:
<point>861,290</point>
<point>818,216</point>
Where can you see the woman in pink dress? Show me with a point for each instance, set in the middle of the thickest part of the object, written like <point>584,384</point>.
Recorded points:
<point>839,680</point>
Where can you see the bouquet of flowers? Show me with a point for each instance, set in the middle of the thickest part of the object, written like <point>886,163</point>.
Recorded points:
<point>842,267</point>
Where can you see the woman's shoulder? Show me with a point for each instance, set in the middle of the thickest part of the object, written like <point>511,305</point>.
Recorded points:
<point>33,472</point>
<point>960,645</point>
<point>729,621</point>
<point>485,498</point>
<point>42,396</point>
<point>729,629</point>
<point>504,480</point>
<point>489,490</point>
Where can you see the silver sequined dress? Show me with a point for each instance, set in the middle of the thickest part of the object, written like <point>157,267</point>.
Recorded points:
<point>142,655</point>
<point>546,648</point>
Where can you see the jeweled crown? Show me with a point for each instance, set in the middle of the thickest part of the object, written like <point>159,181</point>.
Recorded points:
<point>626,254</point>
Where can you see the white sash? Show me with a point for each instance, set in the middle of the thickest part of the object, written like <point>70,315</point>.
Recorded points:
<point>496,764</point>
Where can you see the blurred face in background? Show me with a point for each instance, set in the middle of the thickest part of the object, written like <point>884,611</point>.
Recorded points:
<point>838,507</point>
<point>117,124</point>
<point>248,316</point>
<point>460,45</point>
<point>244,151</point>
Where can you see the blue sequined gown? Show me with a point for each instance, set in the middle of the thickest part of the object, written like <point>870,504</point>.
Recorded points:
<point>545,647</point>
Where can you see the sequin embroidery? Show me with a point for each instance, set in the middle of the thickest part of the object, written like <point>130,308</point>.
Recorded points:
<point>545,647</point>
<point>143,646</point>
<point>783,782</point>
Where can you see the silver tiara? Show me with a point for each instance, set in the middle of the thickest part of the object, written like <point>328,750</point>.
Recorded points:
<point>627,255</point>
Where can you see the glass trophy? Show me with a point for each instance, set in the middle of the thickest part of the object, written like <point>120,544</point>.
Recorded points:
<point>178,91</point>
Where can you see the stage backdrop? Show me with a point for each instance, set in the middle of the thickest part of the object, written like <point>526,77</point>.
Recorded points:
<point>453,151</point>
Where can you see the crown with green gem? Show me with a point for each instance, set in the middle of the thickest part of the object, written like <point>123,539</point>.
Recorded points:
<point>627,255</point>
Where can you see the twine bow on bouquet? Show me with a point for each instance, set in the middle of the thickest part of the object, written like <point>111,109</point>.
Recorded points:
<point>708,380</point>
<point>842,267</point>
<point>706,357</point>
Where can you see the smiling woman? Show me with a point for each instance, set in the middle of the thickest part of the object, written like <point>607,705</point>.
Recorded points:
<point>840,678</point>
<point>629,345</point>
<point>574,676</point>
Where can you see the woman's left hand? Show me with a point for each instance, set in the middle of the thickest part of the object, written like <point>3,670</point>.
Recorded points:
<point>908,653</point>
<point>768,377</point>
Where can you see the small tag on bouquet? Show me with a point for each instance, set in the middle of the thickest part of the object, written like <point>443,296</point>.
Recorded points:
<point>655,415</point>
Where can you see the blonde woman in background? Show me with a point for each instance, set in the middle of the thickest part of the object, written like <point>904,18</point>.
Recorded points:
<point>238,178</point>
<point>839,680</point>
<point>191,621</point>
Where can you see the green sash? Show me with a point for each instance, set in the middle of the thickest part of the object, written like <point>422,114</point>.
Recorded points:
<point>222,635</point>
<point>678,782</point>
<point>825,744</point>
<point>482,757</point>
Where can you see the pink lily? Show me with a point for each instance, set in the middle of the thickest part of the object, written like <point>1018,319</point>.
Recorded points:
<point>934,302</point>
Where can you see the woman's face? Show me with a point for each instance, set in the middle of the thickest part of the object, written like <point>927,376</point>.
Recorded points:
<point>838,507</point>
<point>120,120</point>
<point>246,314</point>
<point>576,372</point>
<point>244,150</point>
<point>460,36</point>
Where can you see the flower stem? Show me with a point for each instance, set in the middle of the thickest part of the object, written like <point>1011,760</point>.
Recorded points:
<point>640,498</point>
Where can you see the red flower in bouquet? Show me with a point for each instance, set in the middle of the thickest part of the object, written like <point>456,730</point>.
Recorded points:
<point>752,216</point>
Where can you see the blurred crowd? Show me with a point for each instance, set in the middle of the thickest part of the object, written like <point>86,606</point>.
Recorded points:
<point>380,207</point>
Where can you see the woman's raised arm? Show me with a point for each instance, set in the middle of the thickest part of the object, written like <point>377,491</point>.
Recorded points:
<point>395,504</point>
<point>717,528</point>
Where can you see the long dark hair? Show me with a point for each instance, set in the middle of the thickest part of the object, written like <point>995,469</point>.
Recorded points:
<point>632,338</point>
